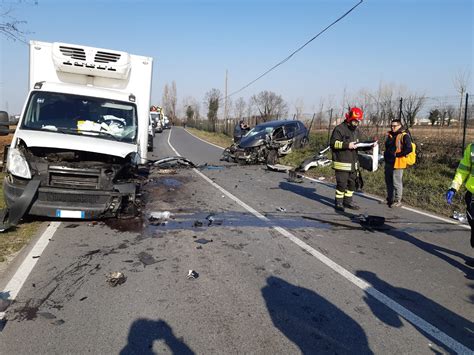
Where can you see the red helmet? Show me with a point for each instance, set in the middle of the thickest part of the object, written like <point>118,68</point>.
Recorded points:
<point>354,114</point>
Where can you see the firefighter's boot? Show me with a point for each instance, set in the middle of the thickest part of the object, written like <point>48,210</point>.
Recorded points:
<point>339,204</point>
<point>348,203</point>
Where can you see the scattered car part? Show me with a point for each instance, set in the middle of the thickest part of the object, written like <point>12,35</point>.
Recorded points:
<point>115,278</point>
<point>192,274</point>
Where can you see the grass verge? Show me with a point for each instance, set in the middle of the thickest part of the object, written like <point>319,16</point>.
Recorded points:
<point>219,139</point>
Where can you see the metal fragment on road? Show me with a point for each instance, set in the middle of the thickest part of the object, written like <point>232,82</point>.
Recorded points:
<point>192,274</point>
<point>115,278</point>
<point>203,241</point>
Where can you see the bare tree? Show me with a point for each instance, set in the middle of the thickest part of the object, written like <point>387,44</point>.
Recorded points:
<point>270,105</point>
<point>461,81</point>
<point>169,100</point>
<point>239,108</point>
<point>212,99</point>
<point>412,104</point>
<point>299,107</point>
<point>10,26</point>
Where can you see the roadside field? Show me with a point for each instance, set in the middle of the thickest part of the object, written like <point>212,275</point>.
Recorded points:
<point>424,185</point>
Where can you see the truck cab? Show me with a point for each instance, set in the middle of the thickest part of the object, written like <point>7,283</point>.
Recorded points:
<point>82,133</point>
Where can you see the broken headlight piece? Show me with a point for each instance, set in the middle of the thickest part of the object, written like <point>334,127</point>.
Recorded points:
<point>17,164</point>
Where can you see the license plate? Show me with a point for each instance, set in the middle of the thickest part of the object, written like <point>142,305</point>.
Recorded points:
<point>70,214</point>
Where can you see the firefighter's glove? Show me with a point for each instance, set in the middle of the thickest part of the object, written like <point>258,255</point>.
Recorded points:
<point>450,195</point>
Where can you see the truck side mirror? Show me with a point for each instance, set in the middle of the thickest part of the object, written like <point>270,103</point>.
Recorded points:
<point>4,123</point>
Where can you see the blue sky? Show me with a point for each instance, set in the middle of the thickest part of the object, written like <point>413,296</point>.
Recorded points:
<point>419,45</point>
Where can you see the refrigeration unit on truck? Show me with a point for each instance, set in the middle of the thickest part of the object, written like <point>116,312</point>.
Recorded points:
<point>82,134</point>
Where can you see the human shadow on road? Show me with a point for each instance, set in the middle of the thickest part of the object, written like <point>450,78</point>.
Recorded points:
<point>311,322</point>
<point>436,250</point>
<point>308,192</point>
<point>452,324</point>
<point>433,249</point>
<point>144,332</point>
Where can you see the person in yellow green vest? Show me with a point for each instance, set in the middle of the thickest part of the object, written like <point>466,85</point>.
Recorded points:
<point>397,147</point>
<point>465,175</point>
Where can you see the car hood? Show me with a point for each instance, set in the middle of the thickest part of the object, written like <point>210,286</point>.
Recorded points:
<point>252,141</point>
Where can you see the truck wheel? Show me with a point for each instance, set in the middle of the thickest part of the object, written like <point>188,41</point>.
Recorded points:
<point>272,157</point>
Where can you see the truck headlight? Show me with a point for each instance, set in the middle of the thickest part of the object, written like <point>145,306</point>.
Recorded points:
<point>17,164</point>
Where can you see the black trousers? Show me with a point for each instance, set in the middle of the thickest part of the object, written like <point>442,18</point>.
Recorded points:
<point>470,214</point>
<point>345,181</point>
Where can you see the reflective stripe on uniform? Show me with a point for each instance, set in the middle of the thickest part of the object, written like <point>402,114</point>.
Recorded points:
<point>348,193</point>
<point>337,165</point>
<point>338,145</point>
<point>339,194</point>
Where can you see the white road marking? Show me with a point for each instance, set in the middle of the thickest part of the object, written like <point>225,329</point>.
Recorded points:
<point>362,284</point>
<point>15,284</point>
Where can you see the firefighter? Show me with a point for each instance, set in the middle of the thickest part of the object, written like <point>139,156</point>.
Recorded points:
<point>345,159</point>
<point>465,175</point>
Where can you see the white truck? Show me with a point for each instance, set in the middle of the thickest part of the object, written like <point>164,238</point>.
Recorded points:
<point>82,134</point>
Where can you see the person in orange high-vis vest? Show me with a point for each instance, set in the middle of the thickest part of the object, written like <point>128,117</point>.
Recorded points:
<point>397,147</point>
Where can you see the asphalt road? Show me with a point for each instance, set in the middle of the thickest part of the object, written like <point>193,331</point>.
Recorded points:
<point>279,272</point>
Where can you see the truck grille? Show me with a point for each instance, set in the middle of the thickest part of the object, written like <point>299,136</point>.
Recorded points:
<point>73,198</point>
<point>76,181</point>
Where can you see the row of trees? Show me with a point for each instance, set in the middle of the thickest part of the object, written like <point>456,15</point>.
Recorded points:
<point>380,106</point>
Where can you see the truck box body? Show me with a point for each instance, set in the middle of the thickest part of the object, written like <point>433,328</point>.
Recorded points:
<point>82,132</point>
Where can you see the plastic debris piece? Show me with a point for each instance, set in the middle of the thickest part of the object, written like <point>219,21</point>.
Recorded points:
<point>72,225</point>
<point>146,258</point>
<point>115,278</point>
<point>58,322</point>
<point>192,274</point>
<point>203,241</point>
<point>159,215</point>
<point>167,171</point>
<point>461,217</point>
<point>197,224</point>
<point>281,209</point>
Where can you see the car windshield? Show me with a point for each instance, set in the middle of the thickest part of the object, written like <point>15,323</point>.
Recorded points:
<point>259,130</point>
<point>74,114</point>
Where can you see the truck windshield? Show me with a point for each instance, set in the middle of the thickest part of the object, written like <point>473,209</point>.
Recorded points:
<point>74,114</point>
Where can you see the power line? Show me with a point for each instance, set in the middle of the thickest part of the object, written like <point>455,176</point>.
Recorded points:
<point>297,50</point>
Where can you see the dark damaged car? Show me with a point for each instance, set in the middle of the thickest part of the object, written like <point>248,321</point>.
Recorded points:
<point>268,141</point>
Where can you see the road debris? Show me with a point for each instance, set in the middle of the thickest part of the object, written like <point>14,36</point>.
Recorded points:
<point>293,176</point>
<point>203,241</point>
<point>58,322</point>
<point>159,218</point>
<point>281,209</point>
<point>368,221</point>
<point>211,220</point>
<point>192,274</point>
<point>461,217</point>
<point>72,225</point>
<point>166,171</point>
<point>115,278</point>
<point>146,258</point>
<point>197,224</point>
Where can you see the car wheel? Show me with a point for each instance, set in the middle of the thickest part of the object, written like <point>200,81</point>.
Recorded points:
<point>272,157</point>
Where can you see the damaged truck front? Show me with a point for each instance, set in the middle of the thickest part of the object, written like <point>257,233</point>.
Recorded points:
<point>82,134</point>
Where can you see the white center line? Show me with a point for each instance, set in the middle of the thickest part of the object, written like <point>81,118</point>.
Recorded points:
<point>418,322</point>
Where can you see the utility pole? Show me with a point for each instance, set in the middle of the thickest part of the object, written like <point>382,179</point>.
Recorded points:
<point>225,97</point>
